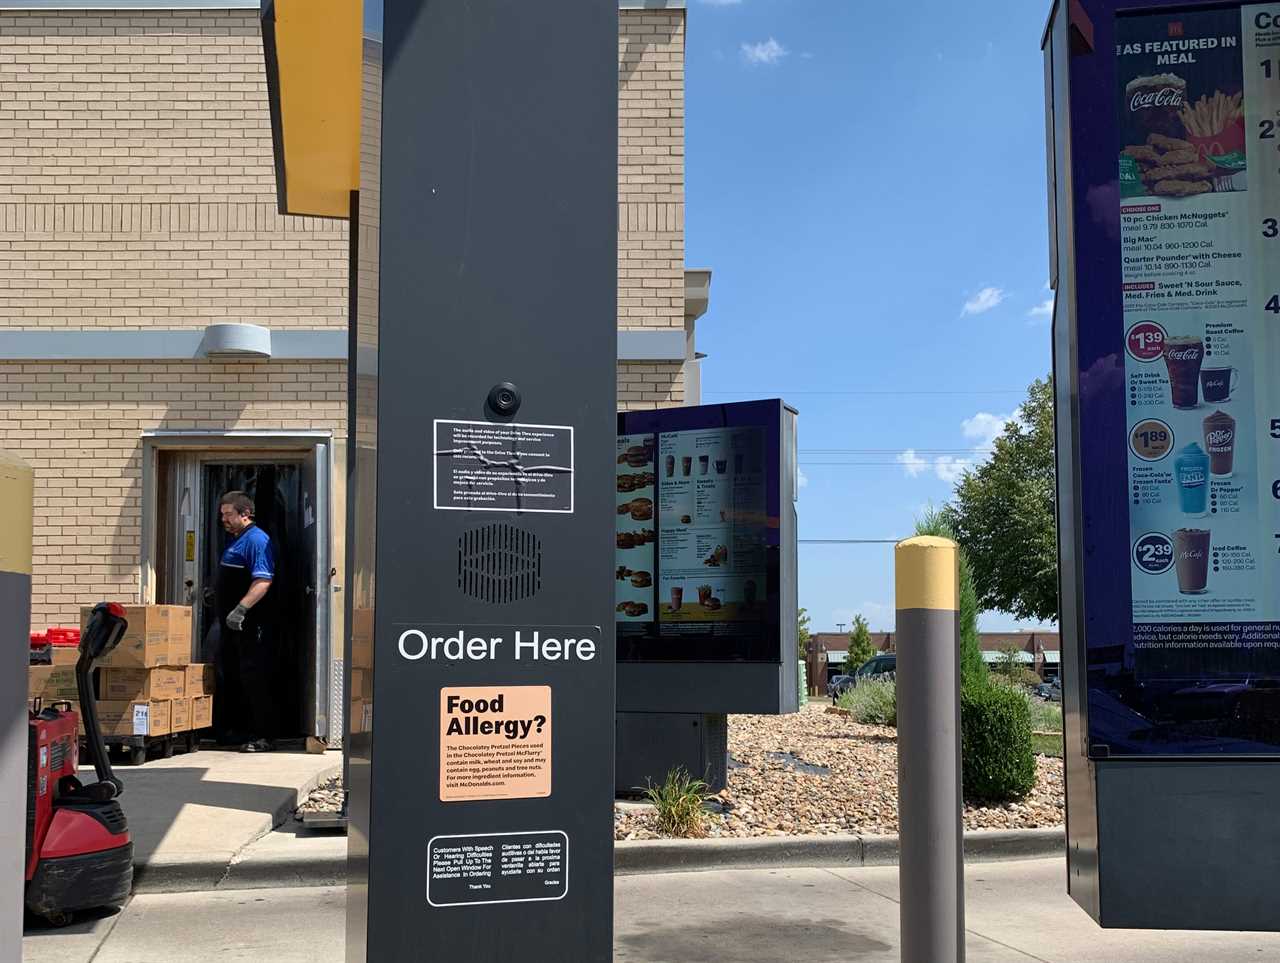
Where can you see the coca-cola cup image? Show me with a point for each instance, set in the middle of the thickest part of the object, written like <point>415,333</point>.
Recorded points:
<point>1154,104</point>
<point>1220,443</point>
<point>1191,558</point>
<point>1183,356</point>
<point>1218,384</point>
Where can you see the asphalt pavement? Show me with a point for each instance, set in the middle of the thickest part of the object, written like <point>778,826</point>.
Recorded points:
<point>1016,911</point>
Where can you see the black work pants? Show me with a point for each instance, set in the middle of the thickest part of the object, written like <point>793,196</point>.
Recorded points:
<point>248,663</point>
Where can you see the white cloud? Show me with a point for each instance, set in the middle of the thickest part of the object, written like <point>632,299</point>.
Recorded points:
<point>802,480</point>
<point>880,615</point>
<point>984,300</point>
<point>1042,311</point>
<point>912,463</point>
<point>767,52</point>
<point>984,428</point>
<point>949,468</point>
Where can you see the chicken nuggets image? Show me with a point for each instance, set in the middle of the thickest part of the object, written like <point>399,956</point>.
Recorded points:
<point>1173,187</point>
<point>1162,143</point>
<point>1176,171</point>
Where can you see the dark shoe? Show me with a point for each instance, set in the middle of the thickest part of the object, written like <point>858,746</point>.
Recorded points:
<point>258,745</point>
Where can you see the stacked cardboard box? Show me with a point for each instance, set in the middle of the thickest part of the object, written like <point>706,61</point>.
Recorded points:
<point>148,684</point>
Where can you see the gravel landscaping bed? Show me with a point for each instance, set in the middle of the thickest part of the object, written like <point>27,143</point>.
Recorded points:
<point>811,773</point>
<point>819,773</point>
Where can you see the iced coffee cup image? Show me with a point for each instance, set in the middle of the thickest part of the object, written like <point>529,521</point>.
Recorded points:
<point>722,464</point>
<point>686,465</point>
<point>1191,559</point>
<point>1183,356</point>
<point>1220,443</point>
<point>670,465</point>
<point>703,462</point>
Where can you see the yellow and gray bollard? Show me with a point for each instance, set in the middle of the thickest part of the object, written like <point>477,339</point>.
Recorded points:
<point>15,624</point>
<point>931,861</point>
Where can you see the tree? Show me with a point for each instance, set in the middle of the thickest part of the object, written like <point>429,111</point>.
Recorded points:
<point>1003,514</point>
<point>973,671</point>
<point>1010,661</point>
<point>861,647</point>
<point>802,630</point>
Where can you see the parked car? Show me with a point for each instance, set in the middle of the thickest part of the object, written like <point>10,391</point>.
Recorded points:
<point>877,665</point>
<point>836,686</point>
<point>1050,691</point>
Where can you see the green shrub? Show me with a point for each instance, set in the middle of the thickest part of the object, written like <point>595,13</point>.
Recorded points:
<point>997,757</point>
<point>679,803</point>
<point>1045,716</point>
<point>873,702</point>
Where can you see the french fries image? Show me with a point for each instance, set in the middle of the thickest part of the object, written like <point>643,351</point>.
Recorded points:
<point>1210,116</point>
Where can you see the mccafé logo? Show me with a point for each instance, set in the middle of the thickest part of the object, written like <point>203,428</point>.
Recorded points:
<point>1220,437</point>
<point>1164,97</point>
<point>1184,354</point>
<point>1192,553</point>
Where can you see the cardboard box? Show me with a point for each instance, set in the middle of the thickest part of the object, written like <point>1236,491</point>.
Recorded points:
<point>180,635</point>
<point>179,715</point>
<point>362,638</point>
<point>135,718</point>
<point>361,684</point>
<point>64,654</point>
<point>142,685</point>
<point>202,712</point>
<point>157,635</point>
<point>52,683</point>
<point>200,680</point>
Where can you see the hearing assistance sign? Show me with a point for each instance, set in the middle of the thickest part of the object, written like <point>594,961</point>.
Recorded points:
<point>495,742</point>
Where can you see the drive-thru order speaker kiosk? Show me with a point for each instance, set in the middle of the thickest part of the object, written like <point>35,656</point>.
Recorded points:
<point>483,363</point>
<point>1164,201</point>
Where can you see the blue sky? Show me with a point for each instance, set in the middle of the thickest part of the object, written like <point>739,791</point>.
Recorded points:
<point>866,180</point>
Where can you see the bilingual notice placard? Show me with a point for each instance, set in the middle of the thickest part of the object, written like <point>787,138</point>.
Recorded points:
<point>503,467</point>
<point>1198,104</point>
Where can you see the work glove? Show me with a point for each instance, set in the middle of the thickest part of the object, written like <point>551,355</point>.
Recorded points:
<point>235,619</point>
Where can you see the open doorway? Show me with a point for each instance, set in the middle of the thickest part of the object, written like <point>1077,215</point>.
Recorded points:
<point>289,488</point>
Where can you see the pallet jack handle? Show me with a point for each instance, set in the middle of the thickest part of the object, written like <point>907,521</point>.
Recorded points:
<point>106,627</point>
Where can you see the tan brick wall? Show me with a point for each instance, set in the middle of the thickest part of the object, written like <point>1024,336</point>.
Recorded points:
<point>137,185</point>
<point>650,384</point>
<point>651,168</point>
<point>80,426</point>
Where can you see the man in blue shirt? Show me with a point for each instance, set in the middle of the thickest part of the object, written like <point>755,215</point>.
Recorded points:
<point>244,578</point>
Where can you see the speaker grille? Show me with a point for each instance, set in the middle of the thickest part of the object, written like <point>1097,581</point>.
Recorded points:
<point>499,563</point>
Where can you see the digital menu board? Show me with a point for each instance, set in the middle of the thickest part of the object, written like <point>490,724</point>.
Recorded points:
<point>1197,187</point>
<point>697,533</point>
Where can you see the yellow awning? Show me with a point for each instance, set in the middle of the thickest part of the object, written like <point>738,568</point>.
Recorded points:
<point>312,50</point>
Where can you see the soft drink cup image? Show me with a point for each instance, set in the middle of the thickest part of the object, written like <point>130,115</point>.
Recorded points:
<point>1183,356</point>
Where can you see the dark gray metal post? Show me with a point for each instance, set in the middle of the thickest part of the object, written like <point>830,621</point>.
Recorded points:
<point>931,871</point>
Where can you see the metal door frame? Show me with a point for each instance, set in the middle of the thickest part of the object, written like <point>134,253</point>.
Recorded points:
<point>328,723</point>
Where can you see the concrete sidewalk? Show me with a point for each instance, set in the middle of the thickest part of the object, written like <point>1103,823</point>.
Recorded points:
<point>192,815</point>
<point>1017,911</point>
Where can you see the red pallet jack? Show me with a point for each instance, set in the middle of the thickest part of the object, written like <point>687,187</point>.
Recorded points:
<point>79,853</point>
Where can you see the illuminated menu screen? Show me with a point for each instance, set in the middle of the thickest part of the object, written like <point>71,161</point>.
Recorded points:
<point>1195,669</point>
<point>696,551</point>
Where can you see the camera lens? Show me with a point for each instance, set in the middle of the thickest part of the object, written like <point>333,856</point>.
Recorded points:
<point>504,398</point>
